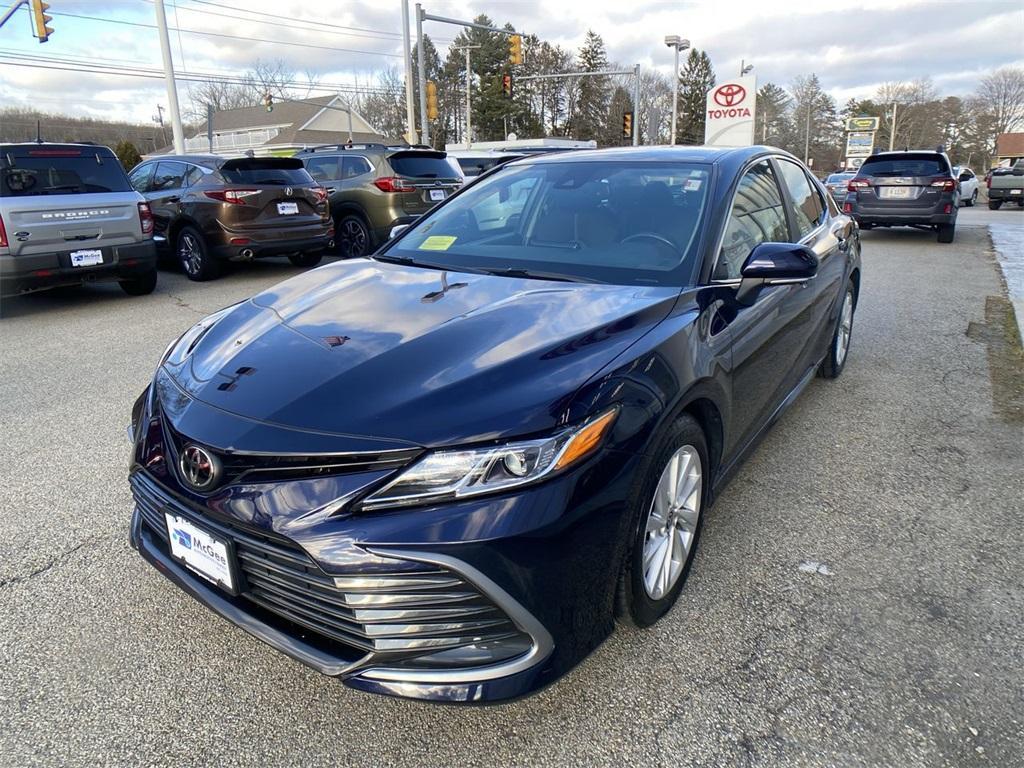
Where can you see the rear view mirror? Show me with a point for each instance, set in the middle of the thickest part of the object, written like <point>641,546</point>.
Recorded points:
<point>775,264</point>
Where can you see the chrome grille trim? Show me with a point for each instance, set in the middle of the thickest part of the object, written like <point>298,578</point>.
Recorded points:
<point>408,610</point>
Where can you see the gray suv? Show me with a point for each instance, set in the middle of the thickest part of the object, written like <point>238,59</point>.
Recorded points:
<point>905,189</point>
<point>69,216</point>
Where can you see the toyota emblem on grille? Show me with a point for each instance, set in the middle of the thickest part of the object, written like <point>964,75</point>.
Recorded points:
<point>199,469</point>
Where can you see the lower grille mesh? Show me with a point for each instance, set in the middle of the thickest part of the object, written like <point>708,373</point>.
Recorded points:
<point>402,612</point>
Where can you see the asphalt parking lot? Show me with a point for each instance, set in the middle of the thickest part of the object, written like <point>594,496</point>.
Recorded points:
<point>857,600</point>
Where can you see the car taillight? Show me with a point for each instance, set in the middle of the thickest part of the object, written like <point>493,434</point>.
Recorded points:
<point>947,183</point>
<point>3,234</point>
<point>988,181</point>
<point>393,184</point>
<point>847,207</point>
<point>854,184</point>
<point>146,218</point>
<point>321,194</point>
<point>233,196</point>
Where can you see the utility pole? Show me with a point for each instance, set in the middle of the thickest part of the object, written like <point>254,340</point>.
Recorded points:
<point>172,88</point>
<point>424,123</point>
<point>410,111</point>
<point>469,85</point>
<point>636,105</point>
<point>892,131</point>
<point>807,134</point>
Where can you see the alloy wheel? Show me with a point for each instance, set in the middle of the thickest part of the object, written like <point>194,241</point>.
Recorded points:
<point>845,328</point>
<point>672,522</point>
<point>190,254</point>
<point>353,237</point>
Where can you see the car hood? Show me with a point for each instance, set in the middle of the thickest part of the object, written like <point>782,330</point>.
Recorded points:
<point>415,355</point>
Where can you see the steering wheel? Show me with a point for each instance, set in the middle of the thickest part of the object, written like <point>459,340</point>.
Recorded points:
<point>652,236</point>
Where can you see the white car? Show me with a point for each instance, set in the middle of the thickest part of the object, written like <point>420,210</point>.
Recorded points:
<point>968,184</point>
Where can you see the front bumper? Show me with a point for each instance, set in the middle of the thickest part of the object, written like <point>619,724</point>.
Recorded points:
<point>37,272</point>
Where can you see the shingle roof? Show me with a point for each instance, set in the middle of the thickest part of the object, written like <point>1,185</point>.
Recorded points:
<point>1010,145</point>
<point>285,113</point>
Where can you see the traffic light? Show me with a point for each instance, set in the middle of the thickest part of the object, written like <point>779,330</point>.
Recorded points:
<point>40,19</point>
<point>515,49</point>
<point>506,86</point>
<point>431,100</point>
<point>268,101</point>
<point>627,125</point>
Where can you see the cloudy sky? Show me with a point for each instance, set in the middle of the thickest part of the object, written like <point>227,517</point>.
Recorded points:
<point>852,49</point>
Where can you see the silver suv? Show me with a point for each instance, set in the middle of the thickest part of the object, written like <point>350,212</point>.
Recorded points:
<point>69,216</point>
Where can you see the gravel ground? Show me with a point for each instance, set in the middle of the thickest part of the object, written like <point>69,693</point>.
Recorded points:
<point>857,599</point>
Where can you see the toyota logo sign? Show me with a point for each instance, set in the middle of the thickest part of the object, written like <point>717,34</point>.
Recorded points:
<point>729,94</point>
<point>199,469</point>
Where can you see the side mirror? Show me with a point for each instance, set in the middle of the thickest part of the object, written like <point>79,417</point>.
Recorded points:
<point>775,264</point>
<point>397,230</point>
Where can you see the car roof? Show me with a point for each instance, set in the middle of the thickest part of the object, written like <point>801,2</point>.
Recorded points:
<point>52,145</point>
<point>210,161</point>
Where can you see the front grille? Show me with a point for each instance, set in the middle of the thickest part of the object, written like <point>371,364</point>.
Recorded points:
<point>412,610</point>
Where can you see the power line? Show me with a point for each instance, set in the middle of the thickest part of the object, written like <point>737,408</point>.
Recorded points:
<point>229,37</point>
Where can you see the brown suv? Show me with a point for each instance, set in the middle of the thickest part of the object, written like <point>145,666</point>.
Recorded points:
<point>208,210</point>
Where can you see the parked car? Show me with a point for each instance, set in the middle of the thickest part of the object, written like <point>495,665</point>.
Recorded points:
<point>910,188</point>
<point>210,210</point>
<point>968,182</point>
<point>69,216</point>
<point>836,184</point>
<point>1006,185</point>
<point>440,473</point>
<point>374,188</point>
<point>473,163</point>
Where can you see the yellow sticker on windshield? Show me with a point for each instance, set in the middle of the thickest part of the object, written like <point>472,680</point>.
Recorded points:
<point>437,243</point>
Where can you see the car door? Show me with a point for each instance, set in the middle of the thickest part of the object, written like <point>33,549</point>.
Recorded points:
<point>768,337</point>
<point>164,194</point>
<point>968,183</point>
<point>325,170</point>
<point>814,227</point>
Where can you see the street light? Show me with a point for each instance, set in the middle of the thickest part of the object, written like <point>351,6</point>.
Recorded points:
<point>679,44</point>
<point>745,69</point>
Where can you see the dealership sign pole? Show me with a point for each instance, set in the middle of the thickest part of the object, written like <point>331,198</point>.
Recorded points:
<point>730,113</point>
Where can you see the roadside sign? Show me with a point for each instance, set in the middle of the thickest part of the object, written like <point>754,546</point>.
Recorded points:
<point>859,143</point>
<point>862,124</point>
<point>853,163</point>
<point>730,113</point>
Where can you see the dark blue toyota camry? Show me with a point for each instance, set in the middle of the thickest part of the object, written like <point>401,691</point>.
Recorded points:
<point>446,471</point>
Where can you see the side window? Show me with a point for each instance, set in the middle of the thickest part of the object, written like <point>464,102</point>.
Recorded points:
<point>323,168</point>
<point>194,175</point>
<point>354,166</point>
<point>807,203</point>
<point>169,175</point>
<point>141,177</point>
<point>756,217</point>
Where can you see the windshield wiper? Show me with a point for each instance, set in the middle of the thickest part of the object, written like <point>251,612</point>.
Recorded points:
<point>531,274</point>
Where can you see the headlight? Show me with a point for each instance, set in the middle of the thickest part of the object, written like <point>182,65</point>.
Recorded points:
<point>182,347</point>
<point>457,474</point>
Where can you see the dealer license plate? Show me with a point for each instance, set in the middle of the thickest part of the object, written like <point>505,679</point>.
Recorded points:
<point>286,209</point>
<point>87,258</point>
<point>895,193</point>
<point>437,194</point>
<point>201,551</point>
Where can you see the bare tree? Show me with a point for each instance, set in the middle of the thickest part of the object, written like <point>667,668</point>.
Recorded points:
<point>274,77</point>
<point>1001,96</point>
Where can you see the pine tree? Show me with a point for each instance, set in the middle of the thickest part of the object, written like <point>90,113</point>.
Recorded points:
<point>770,116</point>
<point>698,77</point>
<point>591,106</point>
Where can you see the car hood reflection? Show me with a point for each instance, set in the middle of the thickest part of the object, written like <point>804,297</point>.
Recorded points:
<point>354,348</point>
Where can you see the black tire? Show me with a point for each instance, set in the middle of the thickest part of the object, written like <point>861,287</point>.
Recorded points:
<point>633,603</point>
<point>947,232</point>
<point>839,353</point>
<point>994,205</point>
<point>305,259</point>
<point>143,285</point>
<point>973,199</point>
<point>353,237</point>
<point>194,256</point>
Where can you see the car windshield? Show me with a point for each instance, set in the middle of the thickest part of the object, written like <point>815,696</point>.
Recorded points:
<point>905,165</point>
<point>629,223</point>
<point>50,171</point>
<point>835,178</point>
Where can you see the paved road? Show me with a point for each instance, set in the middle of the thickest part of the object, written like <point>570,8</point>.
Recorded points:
<point>857,600</point>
